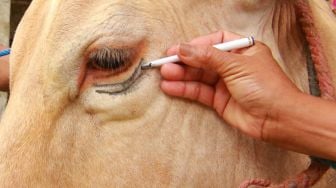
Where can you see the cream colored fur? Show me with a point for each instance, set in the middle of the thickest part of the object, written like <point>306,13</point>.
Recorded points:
<point>53,135</point>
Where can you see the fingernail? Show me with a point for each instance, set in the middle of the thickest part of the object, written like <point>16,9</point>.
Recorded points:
<point>185,50</point>
<point>333,5</point>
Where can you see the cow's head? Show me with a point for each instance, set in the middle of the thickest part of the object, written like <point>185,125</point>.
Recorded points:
<point>81,111</point>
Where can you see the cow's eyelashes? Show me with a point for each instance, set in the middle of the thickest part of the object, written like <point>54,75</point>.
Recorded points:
<point>111,59</point>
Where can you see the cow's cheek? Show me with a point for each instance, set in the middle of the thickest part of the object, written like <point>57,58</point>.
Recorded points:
<point>132,104</point>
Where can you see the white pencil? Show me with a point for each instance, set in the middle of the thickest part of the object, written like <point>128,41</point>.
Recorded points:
<point>227,46</point>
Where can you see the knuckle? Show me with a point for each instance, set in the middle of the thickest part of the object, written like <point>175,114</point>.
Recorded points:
<point>230,66</point>
<point>193,91</point>
<point>221,35</point>
<point>227,58</point>
<point>207,54</point>
<point>184,90</point>
<point>196,91</point>
<point>220,32</point>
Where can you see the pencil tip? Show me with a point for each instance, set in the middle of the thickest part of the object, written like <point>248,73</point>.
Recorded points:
<point>146,66</point>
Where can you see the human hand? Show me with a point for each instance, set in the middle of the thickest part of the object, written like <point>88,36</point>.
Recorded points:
<point>4,71</point>
<point>244,86</point>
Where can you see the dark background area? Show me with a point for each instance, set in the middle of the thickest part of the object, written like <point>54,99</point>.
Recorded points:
<point>18,8</point>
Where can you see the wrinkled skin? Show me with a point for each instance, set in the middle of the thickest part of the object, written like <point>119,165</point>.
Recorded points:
<point>61,129</point>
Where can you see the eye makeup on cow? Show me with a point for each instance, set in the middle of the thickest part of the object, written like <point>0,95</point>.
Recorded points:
<point>111,70</point>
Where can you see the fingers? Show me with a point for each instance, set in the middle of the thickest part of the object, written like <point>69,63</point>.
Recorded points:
<point>208,57</point>
<point>190,90</point>
<point>216,97</point>
<point>211,39</point>
<point>175,72</point>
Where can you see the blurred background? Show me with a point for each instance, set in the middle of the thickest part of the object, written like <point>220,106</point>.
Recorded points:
<point>11,12</point>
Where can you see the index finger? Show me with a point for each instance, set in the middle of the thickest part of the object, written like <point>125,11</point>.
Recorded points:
<point>211,39</point>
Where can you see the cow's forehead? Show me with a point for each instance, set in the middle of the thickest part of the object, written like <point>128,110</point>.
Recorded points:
<point>69,19</point>
<point>88,11</point>
<point>119,18</point>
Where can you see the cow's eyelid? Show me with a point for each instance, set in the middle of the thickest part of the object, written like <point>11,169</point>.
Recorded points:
<point>107,58</point>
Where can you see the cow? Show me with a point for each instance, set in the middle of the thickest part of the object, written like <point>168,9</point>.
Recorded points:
<point>82,113</point>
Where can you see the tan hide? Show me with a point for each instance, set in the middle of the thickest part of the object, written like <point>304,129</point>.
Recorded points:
<point>61,129</point>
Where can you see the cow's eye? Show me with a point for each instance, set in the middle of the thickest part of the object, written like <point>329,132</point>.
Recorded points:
<point>110,59</point>
<point>111,70</point>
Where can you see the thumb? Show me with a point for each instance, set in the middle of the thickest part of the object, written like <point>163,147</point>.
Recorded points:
<point>207,57</point>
